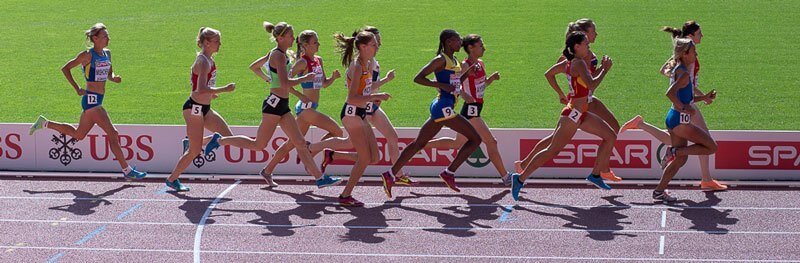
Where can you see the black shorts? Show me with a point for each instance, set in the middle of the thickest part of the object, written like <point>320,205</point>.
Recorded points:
<point>471,110</point>
<point>275,105</point>
<point>351,110</point>
<point>196,108</point>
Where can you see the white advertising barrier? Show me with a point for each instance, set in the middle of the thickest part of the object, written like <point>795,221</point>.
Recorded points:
<point>742,155</point>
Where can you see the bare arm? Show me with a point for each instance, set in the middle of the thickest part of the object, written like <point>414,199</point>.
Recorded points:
<point>580,67</point>
<point>114,78</point>
<point>672,91</point>
<point>389,77</point>
<point>355,97</point>
<point>279,63</point>
<point>201,68</point>
<point>328,81</point>
<point>256,68</point>
<point>81,59</point>
<point>550,75</point>
<point>434,65</point>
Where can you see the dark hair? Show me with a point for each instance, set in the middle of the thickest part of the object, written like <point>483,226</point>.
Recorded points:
<point>444,36</point>
<point>582,25</point>
<point>688,28</point>
<point>347,45</point>
<point>371,29</point>
<point>573,38</point>
<point>470,40</point>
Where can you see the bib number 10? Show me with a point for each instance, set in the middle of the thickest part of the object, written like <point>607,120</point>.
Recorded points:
<point>685,118</point>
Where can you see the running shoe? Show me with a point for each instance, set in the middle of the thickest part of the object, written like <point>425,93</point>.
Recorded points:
<point>327,181</point>
<point>610,176</point>
<point>213,144</point>
<point>38,125</point>
<point>664,196</point>
<point>388,182</point>
<point>404,179</point>
<point>668,157</point>
<point>134,174</point>
<point>177,186</point>
<point>598,181</point>
<point>326,160</point>
<point>713,185</point>
<point>516,186</point>
<point>350,201</point>
<point>185,143</point>
<point>449,180</point>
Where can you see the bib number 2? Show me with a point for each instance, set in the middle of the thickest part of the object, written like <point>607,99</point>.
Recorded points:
<point>575,115</point>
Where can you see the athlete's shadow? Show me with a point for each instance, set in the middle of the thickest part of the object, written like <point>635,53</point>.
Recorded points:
<point>310,206</point>
<point>195,207</point>
<point>600,222</point>
<point>703,215</point>
<point>84,202</point>
<point>461,221</point>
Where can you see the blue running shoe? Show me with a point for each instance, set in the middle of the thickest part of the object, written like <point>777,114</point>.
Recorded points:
<point>516,186</point>
<point>134,174</point>
<point>598,181</point>
<point>213,144</point>
<point>177,186</point>
<point>326,181</point>
<point>507,179</point>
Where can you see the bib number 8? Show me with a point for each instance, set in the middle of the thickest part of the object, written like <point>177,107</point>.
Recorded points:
<point>685,118</point>
<point>273,100</point>
<point>91,99</point>
<point>575,115</point>
<point>350,110</point>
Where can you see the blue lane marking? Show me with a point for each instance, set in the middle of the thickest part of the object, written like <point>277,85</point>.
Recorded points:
<point>130,210</point>
<point>91,235</point>
<point>55,258</point>
<point>506,212</point>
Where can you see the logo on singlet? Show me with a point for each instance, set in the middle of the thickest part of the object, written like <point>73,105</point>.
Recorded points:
<point>65,150</point>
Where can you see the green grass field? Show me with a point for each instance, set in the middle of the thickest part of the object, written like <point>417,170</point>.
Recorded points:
<point>748,55</point>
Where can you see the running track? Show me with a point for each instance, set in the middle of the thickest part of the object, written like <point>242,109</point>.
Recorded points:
<point>80,220</point>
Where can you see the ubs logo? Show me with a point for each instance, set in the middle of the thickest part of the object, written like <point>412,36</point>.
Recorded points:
<point>65,150</point>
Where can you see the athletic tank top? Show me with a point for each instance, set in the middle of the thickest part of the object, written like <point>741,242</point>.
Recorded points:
<point>577,88</point>
<point>98,68</point>
<point>313,65</point>
<point>451,74</point>
<point>475,84</point>
<point>211,77</point>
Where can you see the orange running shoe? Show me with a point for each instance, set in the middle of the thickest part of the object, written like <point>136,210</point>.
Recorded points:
<point>631,124</point>
<point>610,176</point>
<point>712,185</point>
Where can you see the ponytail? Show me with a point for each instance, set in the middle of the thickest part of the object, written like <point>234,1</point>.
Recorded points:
<point>348,45</point>
<point>573,38</point>
<point>444,36</point>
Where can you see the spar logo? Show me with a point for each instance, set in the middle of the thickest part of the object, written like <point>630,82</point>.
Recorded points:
<point>9,146</point>
<point>65,151</point>
<point>425,157</point>
<point>583,153</point>
<point>758,155</point>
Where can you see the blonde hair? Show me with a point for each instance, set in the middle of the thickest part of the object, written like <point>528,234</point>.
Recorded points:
<point>277,30</point>
<point>205,34</point>
<point>679,48</point>
<point>582,25</point>
<point>93,31</point>
<point>302,39</point>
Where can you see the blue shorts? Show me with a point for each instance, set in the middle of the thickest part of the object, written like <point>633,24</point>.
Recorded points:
<point>442,109</point>
<point>675,118</point>
<point>91,100</point>
<point>300,106</point>
<point>373,109</point>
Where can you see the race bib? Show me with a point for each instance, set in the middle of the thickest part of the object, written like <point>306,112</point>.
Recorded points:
<point>685,118</point>
<point>319,78</point>
<point>455,80</point>
<point>273,100</point>
<point>472,110</point>
<point>212,82</point>
<point>480,87</point>
<point>306,105</point>
<point>447,112</point>
<point>575,115</point>
<point>370,105</point>
<point>197,110</point>
<point>350,110</point>
<point>101,69</point>
<point>91,99</point>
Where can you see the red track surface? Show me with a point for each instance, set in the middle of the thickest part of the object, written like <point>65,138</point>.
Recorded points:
<point>45,220</point>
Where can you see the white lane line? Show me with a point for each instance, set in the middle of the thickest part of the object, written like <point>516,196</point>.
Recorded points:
<point>410,204</point>
<point>295,253</point>
<point>661,246</point>
<point>198,235</point>
<point>642,231</point>
<point>663,219</point>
